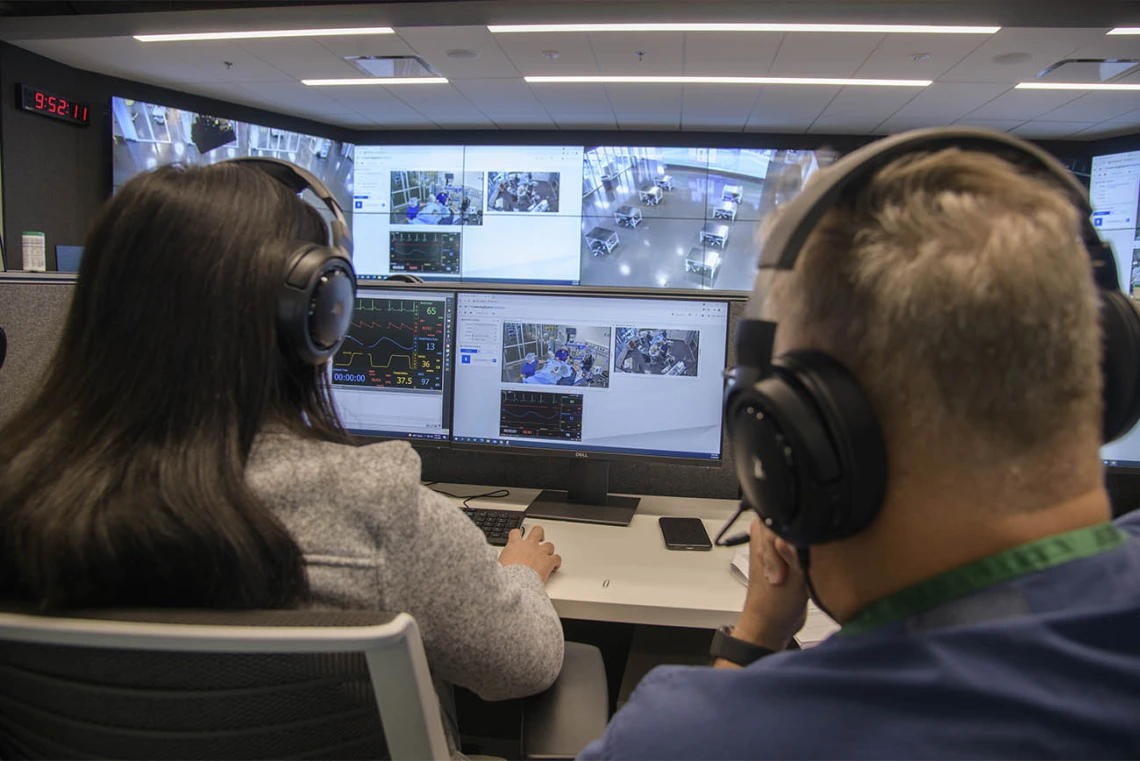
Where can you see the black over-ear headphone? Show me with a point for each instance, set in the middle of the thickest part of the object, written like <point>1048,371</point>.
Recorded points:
<point>318,289</point>
<point>809,451</point>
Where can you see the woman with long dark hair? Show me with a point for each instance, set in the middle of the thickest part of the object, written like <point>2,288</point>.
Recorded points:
<point>177,455</point>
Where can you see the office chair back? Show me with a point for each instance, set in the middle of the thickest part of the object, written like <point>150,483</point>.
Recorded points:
<point>216,685</point>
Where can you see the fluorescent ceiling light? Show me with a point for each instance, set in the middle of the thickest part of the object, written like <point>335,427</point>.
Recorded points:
<point>1125,30</point>
<point>733,81</point>
<point>869,28</point>
<point>374,81</point>
<point>1076,86</point>
<point>263,35</point>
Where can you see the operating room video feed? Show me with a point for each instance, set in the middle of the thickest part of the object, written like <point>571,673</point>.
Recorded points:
<point>657,351</point>
<point>528,192</point>
<point>437,198</point>
<point>682,217</point>
<point>556,355</point>
<point>148,135</point>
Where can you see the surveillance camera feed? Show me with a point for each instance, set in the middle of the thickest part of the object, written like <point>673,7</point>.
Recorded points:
<point>651,217</point>
<point>147,135</point>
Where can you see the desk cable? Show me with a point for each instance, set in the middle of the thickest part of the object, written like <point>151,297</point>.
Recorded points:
<point>496,494</point>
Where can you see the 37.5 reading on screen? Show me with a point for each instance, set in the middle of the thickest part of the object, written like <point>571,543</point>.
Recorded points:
<point>48,104</point>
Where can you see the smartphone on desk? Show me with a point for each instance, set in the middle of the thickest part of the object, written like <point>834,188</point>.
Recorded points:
<point>684,534</point>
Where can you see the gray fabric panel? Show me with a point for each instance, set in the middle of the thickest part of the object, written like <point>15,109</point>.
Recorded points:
<point>32,312</point>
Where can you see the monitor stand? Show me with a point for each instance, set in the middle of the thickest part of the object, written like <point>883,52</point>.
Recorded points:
<point>587,501</point>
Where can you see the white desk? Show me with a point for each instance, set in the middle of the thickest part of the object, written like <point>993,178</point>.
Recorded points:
<point>626,575</point>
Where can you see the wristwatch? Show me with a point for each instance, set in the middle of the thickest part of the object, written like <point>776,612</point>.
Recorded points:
<point>734,650</point>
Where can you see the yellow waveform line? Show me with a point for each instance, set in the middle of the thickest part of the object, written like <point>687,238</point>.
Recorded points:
<point>352,354</point>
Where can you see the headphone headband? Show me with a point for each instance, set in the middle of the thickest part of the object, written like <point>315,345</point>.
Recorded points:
<point>299,180</point>
<point>827,188</point>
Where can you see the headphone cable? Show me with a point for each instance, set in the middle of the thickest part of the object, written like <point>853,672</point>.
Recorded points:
<point>803,555</point>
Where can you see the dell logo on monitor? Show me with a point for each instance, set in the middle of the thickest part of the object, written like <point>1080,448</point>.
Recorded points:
<point>583,455</point>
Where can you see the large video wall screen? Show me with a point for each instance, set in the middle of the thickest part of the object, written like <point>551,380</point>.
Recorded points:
<point>148,135</point>
<point>660,217</point>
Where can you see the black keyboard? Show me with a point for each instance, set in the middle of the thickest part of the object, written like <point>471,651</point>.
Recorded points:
<point>496,524</point>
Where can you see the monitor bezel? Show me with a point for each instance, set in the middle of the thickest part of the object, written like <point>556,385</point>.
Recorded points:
<point>597,292</point>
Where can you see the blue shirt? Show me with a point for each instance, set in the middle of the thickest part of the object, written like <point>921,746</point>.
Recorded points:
<point>1054,672</point>
<point>528,368</point>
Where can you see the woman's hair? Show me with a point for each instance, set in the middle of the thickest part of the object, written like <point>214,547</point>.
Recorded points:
<point>122,483</point>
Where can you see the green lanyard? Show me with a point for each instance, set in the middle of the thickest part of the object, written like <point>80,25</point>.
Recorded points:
<point>995,569</point>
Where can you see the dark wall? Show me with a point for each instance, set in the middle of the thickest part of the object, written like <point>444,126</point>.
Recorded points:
<point>56,175</point>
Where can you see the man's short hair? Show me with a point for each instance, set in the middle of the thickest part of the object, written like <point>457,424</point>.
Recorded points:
<point>956,289</point>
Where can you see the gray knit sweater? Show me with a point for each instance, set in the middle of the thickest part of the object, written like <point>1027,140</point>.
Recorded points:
<point>373,537</point>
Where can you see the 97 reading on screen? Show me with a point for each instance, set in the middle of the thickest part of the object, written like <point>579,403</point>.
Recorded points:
<point>393,343</point>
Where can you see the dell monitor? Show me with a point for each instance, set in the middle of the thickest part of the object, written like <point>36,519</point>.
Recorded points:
<point>591,378</point>
<point>391,378</point>
<point>1114,193</point>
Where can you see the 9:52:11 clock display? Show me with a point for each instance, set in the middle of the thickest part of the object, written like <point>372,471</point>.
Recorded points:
<point>41,102</point>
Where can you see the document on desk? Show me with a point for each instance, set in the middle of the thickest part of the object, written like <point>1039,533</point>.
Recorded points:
<point>818,627</point>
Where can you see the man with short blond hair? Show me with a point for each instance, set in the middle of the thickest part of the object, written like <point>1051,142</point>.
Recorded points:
<point>990,610</point>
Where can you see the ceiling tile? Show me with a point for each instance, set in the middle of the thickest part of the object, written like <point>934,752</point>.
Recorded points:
<point>1049,130</point>
<point>222,60</point>
<point>831,125</point>
<point>698,122</point>
<point>1024,104</point>
<point>1104,46</point>
<point>396,122</point>
<point>371,101</point>
<point>581,120</point>
<point>432,43</point>
<point>1044,46</point>
<point>455,121</point>
<point>1001,125</point>
<point>300,58</point>
<point>894,57</point>
<point>616,53</point>
<point>355,120</point>
<point>897,124</point>
<point>120,57</point>
<point>946,101</point>
<point>525,51</point>
<point>290,97</point>
<point>510,98</point>
<point>1113,128</point>
<point>637,121</point>
<point>720,106</point>
<point>784,128</point>
<point>588,98</point>
<point>866,103</point>
<point>368,44</point>
<point>438,101</point>
<point>1096,107</point>
<point>745,54</point>
<point>790,104</point>
<point>630,100</point>
<point>823,54</point>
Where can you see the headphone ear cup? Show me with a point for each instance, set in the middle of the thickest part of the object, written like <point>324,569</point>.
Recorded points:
<point>809,452</point>
<point>315,305</point>
<point>1120,363</point>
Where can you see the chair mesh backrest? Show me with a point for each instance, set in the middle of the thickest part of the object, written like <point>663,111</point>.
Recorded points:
<point>82,702</point>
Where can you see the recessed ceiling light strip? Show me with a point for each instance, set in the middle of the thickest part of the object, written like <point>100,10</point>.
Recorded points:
<point>374,81</point>
<point>606,80</point>
<point>1077,86</point>
<point>726,27</point>
<point>264,35</point>
<point>1125,30</point>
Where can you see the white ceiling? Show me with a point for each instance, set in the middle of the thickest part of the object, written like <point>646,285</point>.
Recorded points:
<point>488,92</point>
